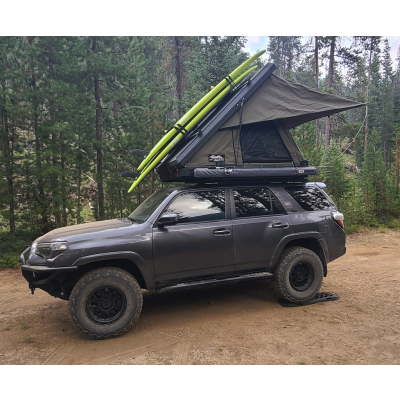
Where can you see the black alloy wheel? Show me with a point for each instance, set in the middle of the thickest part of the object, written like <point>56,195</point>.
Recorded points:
<point>301,276</point>
<point>105,305</point>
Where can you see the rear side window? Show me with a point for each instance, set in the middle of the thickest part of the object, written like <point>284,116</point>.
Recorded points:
<point>199,206</point>
<point>255,203</point>
<point>309,198</point>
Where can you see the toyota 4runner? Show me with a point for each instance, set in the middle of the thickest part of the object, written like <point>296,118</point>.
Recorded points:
<point>188,237</point>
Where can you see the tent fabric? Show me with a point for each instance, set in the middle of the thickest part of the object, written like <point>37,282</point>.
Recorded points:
<point>265,144</point>
<point>224,142</point>
<point>291,103</point>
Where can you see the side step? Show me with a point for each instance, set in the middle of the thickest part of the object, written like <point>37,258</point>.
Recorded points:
<point>240,278</point>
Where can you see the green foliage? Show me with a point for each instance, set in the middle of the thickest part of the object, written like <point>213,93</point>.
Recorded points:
<point>353,206</point>
<point>373,182</point>
<point>285,53</point>
<point>11,246</point>
<point>305,137</point>
<point>334,174</point>
<point>212,58</point>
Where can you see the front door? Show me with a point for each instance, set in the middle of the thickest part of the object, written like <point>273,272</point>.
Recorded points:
<point>258,226</point>
<point>200,244</point>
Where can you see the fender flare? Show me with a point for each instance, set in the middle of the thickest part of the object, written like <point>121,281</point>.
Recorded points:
<point>302,235</point>
<point>146,272</point>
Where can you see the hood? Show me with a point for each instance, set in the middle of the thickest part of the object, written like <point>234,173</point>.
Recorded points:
<point>71,233</point>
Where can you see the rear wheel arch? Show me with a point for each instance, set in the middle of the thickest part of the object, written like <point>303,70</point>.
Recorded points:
<point>312,243</point>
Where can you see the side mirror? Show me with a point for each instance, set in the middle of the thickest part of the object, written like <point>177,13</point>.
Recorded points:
<point>167,219</point>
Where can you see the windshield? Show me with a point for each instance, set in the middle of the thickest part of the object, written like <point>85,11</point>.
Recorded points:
<point>143,212</point>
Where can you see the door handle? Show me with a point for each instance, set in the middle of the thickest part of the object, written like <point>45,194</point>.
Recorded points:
<point>279,224</point>
<point>222,232</point>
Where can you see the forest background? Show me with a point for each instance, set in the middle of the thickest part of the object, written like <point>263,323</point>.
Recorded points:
<point>71,108</point>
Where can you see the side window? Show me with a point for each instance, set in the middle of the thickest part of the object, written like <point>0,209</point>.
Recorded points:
<point>199,206</point>
<point>256,202</point>
<point>309,198</point>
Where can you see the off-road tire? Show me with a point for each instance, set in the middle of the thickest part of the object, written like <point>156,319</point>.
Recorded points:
<point>127,287</point>
<point>290,259</point>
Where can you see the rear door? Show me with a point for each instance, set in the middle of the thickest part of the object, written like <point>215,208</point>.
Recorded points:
<point>200,244</point>
<point>259,224</point>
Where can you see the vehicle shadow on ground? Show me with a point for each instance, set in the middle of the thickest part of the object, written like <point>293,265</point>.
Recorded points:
<point>228,296</point>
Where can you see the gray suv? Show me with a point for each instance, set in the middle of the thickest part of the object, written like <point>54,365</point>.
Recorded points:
<point>188,237</point>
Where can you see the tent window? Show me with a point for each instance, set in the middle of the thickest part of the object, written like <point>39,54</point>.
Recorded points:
<point>261,143</point>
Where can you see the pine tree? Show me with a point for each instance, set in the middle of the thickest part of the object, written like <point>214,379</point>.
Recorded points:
<point>373,181</point>
<point>371,47</point>
<point>305,137</point>
<point>284,51</point>
<point>334,173</point>
<point>386,93</point>
<point>212,59</point>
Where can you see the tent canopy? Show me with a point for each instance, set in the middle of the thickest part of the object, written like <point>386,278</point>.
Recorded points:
<point>292,103</point>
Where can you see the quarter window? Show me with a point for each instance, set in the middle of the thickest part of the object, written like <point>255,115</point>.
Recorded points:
<point>309,198</point>
<point>256,202</point>
<point>199,206</point>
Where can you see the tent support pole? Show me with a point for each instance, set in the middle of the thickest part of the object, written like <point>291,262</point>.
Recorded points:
<point>240,127</point>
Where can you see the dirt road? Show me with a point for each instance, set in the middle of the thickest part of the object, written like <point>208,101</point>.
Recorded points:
<point>229,324</point>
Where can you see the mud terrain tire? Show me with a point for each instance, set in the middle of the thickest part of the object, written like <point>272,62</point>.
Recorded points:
<point>105,303</point>
<point>298,275</point>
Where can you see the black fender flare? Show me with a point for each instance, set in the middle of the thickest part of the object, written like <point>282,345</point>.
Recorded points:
<point>147,273</point>
<point>301,235</point>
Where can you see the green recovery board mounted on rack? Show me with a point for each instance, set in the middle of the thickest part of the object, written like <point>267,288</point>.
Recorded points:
<point>172,143</point>
<point>181,125</point>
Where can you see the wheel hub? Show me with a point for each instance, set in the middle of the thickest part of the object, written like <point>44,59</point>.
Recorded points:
<point>105,305</point>
<point>301,276</point>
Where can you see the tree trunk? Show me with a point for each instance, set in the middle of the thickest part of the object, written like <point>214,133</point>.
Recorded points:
<point>78,214</point>
<point>366,100</point>
<point>54,177</point>
<point>329,86</point>
<point>316,84</point>
<point>42,201</point>
<point>8,160</point>
<point>63,185</point>
<point>178,73</point>
<point>99,155</point>
<point>316,62</point>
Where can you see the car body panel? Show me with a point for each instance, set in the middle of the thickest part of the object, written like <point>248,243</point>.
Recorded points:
<point>193,251</point>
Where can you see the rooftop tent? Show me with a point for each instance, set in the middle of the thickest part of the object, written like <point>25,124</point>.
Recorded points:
<point>250,129</point>
<point>292,103</point>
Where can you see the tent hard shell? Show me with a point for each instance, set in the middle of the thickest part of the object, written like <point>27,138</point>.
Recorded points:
<point>247,135</point>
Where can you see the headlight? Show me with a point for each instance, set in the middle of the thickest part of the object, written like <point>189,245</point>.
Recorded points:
<point>50,250</point>
<point>33,249</point>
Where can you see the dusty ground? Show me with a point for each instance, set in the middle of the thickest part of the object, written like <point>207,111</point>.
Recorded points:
<point>229,324</point>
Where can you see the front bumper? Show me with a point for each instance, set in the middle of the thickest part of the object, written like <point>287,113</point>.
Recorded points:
<point>42,276</point>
